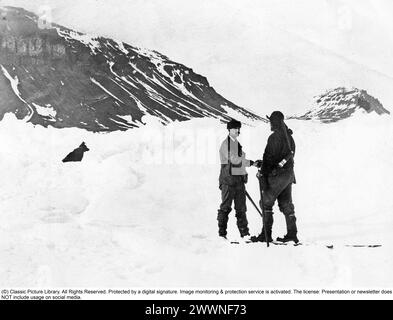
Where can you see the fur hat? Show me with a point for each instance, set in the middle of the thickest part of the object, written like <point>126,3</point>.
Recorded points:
<point>234,124</point>
<point>276,117</point>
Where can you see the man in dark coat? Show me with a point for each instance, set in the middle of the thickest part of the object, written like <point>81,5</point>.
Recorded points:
<point>233,177</point>
<point>277,178</point>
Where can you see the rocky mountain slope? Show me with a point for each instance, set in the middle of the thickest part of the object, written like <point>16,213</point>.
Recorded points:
<point>341,103</point>
<point>54,76</point>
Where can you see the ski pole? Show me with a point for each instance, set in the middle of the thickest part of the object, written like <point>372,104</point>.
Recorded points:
<point>261,187</point>
<point>262,214</point>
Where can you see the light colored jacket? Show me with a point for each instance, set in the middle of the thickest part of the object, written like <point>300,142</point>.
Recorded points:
<point>239,163</point>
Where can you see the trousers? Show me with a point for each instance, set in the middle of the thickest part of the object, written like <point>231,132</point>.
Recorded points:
<point>229,194</point>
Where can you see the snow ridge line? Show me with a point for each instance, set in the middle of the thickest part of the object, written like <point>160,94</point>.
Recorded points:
<point>106,90</point>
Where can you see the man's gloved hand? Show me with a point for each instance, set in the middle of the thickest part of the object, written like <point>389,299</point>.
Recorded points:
<point>258,163</point>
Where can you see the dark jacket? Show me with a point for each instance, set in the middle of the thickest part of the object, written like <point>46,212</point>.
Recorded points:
<point>276,150</point>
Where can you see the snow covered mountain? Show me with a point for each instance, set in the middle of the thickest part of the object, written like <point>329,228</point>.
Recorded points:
<point>341,103</point>
<point>54,76</point>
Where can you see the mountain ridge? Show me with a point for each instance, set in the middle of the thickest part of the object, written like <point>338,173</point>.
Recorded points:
<point>341,103</point>
<point>63,78</point>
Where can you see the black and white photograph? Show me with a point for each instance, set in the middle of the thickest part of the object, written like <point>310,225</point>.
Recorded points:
<point>196,150</point>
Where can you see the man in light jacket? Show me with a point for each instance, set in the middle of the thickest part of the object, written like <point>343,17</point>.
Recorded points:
<point>233,177</point>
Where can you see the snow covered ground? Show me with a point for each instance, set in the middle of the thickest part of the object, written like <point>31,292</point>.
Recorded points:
<point>140,209</point>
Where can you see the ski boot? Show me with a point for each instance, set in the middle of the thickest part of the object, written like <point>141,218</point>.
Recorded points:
<point>288,238</point>
<point>247,238</point>
<point>262,238</point>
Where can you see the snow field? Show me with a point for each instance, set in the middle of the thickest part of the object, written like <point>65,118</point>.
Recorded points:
<point>140,211</point>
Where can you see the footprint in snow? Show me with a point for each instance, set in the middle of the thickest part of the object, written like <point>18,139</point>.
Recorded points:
<point>199,236</point>
<point>154,269</point>
<point>64,212</point>
<point>140,179</point>
<point>200,250</point>
<point>56,218</point>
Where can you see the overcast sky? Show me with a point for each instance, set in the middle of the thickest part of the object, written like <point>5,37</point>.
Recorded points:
<point>220,38</point>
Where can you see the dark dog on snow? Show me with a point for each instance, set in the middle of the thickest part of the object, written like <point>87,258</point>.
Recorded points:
<point>77,154</point>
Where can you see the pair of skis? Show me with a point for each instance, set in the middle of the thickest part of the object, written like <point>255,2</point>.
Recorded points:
<point>327,246</point>
<point>278,243</point>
